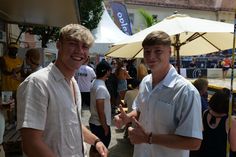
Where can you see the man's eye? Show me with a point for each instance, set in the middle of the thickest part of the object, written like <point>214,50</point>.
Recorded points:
<point>158,51</point>
<point>147,52</point>
<point>86,46</point>
<point>72,43</point>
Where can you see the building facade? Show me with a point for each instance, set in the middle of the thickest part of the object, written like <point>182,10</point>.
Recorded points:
<point>217,10</point>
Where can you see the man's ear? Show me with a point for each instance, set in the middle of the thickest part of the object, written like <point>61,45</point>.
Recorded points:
<point>170,51</point>
<point>58,44</point>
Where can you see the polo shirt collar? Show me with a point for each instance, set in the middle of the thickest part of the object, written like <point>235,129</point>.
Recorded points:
<point>170,78</point>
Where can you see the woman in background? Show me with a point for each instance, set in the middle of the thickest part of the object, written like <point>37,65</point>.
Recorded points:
<point>122,76</point>
<point>216,129</point>
<point>9,105</point>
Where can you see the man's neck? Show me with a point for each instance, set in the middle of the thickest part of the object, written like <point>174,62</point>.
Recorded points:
<point>157,77</point>
<point>68,73</point>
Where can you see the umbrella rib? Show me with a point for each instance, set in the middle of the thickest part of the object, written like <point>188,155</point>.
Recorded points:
<point>197,35</point>
<point>211,43</point>
<point>193,37</point>
<point>114,50</point>
<point>137,53</point>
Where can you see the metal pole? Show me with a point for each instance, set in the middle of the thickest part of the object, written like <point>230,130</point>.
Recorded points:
<point>177,48</point>
<point>231,88</point>
<point>77,5</point>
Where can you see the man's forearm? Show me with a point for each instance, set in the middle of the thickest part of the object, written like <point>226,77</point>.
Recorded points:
<point>102,119</point>
<point>176,141</point>
<point>89,137</point>
<point>36,149</point>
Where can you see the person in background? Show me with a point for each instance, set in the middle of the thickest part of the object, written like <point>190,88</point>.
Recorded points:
<point>100,119</point>
<point>32,60</point>
<point>122,76</point>
<point>202,86</point>
<point>132,71</point>
<point>216,131</point>
<point>111,84</point>
<point>142,70</point>
<point>92,65</point>
<point>11,66</point>
<point>192,64</point>
<point>130,95</point>
<point>84,77</point>
<point>49,102</point>
<point>9,105</point>
<point>167,110</point>
<point>233,153</point>
<point>226,64</point>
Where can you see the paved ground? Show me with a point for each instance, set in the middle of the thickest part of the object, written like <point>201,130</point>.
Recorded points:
<point>119,147</point>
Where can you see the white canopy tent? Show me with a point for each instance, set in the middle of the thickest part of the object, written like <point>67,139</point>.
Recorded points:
<point>106,34</point>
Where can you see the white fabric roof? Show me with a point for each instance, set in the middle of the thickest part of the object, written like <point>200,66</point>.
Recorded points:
<point>106,34</point>
<point>43,12</point>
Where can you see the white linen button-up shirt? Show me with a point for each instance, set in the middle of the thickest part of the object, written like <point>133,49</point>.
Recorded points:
<point>45,102</point>
<point>171,107</point>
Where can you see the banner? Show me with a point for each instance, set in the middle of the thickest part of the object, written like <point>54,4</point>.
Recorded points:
<point>121,17</point>
<point>196,72</point>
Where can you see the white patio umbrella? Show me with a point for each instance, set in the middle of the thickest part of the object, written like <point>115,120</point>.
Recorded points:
<point>190,36</point>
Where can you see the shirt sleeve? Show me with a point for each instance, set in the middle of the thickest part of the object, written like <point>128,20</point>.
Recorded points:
<point>101,93</point>
<point>31,105</point>
<point>190,120</point>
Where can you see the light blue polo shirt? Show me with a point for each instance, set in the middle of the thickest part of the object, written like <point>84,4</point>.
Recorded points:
<point>171,107</point>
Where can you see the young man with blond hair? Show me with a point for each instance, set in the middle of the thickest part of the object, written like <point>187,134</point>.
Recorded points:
<point>49,102</point>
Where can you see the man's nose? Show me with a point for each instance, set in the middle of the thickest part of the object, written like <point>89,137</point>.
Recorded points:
<point>152,54</point>
<point>80,48</point>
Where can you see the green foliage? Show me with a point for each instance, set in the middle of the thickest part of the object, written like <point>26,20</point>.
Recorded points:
<point>45,33</point>
<point>149,20</point>
<point>90,13</point>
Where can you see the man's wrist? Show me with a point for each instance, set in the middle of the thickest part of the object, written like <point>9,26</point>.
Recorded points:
<point>150,138</point>
<point>96,141</point>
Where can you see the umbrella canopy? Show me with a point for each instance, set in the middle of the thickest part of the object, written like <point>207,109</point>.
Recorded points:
<point>190,36</point>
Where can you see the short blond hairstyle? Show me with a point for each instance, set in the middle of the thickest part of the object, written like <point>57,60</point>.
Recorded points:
<point>76,32</point>
<point>157,38</point>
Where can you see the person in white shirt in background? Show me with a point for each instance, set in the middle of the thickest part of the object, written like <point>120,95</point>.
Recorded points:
<point>100,119</point>
<point>84,77</point>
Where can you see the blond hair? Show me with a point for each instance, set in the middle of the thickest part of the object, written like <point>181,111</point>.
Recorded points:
<point>76,32</point>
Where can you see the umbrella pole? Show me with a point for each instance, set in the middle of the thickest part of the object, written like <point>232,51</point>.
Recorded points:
<point>231,100</point>
<point>177,47</point>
